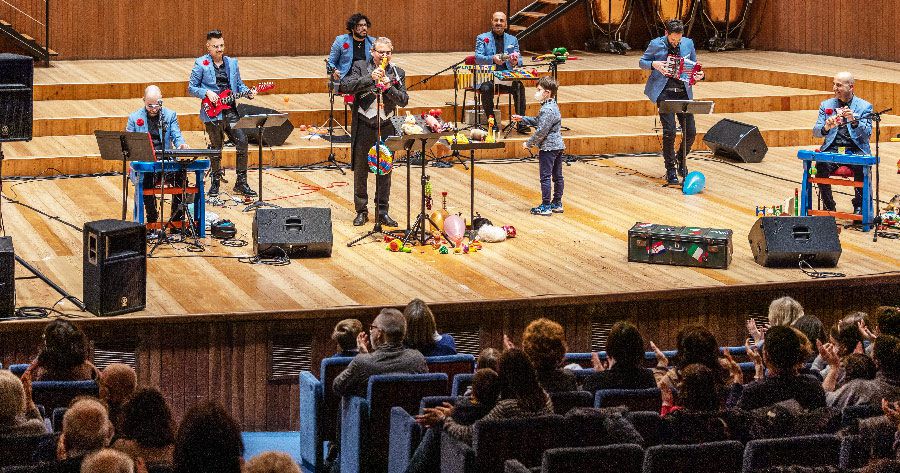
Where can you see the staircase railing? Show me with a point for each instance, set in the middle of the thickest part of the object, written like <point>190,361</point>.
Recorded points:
<point>30,18</point>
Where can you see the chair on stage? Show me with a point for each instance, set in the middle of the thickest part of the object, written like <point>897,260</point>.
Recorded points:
<point>199,167</point>
<point>839,178</point>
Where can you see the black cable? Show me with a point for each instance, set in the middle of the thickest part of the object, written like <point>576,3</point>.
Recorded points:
<point>816,274</point>
<point>283,260</point>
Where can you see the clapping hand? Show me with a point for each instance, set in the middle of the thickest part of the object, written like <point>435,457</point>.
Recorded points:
<point>737,375</point>
<point>362,342</point>
<point>829,353</point>
<point>597,363</point>
<point>661,360</point>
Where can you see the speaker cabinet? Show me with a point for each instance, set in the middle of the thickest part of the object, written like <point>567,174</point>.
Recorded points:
<point>784,241</point>
<point>298,232</point>
<point>16,100</point>
<point>275,136</point>
<point>736,140</point>
<point>115,267</point>
<point>7,278</point>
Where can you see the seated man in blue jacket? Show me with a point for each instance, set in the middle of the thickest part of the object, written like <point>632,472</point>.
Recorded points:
<point>351,47</point>
<point>501,49</point>
<point>661,86</point>
<point>841,137</point>
<point>213,73</point>
<point>162,126</point>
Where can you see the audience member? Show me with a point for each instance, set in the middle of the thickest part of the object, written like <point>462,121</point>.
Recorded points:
<point>625,368</point>
<point>845,338</point>
<point>117,383</point>
<point>208,441</point>
<point>63,355</point>
<point>882,466</point>
<point>812,327</point>
<point>18,414</point>
<point>520,396</point>
<point>694,415</point>
<point>885,385</point>
<point>784,353</point>
<point>272,462</point>
<point>345,333</point>
<point>695,344</point>
<point>468,409</point>
<point>488,358</point>
<point>86,429</point>
<point>421,331</point>
<point>887,319</point>
<point>147,429</point>
<point>389,355</point>
<point>782,311</point>
<point>544,342</point>
<point>107,460</point>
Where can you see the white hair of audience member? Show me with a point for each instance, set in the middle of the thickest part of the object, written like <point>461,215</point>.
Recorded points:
<point>107,461</point>
<point>784,311</point>
<point>12,395</point>
<point>271,462</point>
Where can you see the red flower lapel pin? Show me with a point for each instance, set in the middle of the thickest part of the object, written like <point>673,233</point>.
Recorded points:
<point>140,122</point>
<point>206,62</point>
<point>346,45</point>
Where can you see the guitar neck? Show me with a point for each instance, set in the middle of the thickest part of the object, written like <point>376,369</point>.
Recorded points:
<point>233,96</point>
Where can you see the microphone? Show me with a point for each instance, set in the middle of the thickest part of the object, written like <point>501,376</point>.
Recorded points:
<point>159,102</point>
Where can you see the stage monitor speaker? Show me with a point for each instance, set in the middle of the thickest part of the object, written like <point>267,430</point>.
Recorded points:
<point>7,278</point>
<point>736,140</point>
<point>115,267</point>
<point>16,99</point>
<point>784,241</point>
<point>273,136</point>
<point>298,232</point>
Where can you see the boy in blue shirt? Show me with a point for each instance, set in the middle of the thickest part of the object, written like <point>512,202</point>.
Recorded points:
<point>548,138</point>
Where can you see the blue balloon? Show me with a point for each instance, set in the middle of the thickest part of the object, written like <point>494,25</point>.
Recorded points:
<point>693,183</point>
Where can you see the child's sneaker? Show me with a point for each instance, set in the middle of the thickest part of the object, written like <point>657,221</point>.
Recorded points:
<point>556,207</point>
<point>543,209</point>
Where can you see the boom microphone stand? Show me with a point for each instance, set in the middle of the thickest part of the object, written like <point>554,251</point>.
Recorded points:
<point>332,162</point>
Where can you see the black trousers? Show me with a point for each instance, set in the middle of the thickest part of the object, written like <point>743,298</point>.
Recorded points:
<point>517,90</point>
<point>216,131</point>
<point>152,181</point>
<point>827,169</point>
<point>364,136</point>
<point>671,156</point>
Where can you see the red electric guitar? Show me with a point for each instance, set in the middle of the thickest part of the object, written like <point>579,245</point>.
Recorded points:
<point>227,99</point>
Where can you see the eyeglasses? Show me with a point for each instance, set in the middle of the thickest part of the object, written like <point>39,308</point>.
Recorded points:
<point>373,326</point>
<point>384,53</point>
<point>153,105</point>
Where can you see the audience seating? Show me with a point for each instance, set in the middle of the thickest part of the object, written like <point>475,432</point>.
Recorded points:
<point>319,412</point>
<point>15,450</point>
<point>461,383</point>
<point>813,450</point>
<point>56,418</point>
<point>452,365</point>
<point>721,457</point>
<point>635,399</point>
<point>851,414</point>
<point>54,394</point>
<point>617,458</point>
<point>495,441</point>
<point>366,421</point>
<point>405,433</point>
<point>565,400</point>
<point>18,368</point>
<point>650,425</point>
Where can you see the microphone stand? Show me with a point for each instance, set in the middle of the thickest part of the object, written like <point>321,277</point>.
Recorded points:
<point>875,117</point>
<point>455,110</point>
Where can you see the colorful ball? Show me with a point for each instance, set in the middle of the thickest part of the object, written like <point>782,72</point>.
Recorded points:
<point>380,162</point>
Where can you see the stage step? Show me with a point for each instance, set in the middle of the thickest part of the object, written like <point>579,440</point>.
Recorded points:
<point>81,117</point>
<point>600,135</point>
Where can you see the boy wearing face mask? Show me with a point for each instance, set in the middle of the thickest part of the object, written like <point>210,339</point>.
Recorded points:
<point>548,138</point>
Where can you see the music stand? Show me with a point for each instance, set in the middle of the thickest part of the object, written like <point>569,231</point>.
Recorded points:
<point>471,147</point>
<point>260,123</point>
<point>124,146</point>
<point>685,107</point>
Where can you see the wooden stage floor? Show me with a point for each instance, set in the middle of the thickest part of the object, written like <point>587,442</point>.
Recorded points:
<point>581,252</point>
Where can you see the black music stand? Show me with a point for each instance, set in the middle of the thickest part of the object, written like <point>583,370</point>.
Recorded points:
<point>260,123</point>
<point>686,107</point>
<point>124,146</point>
<point>332,162</point>
<point>471,147</point>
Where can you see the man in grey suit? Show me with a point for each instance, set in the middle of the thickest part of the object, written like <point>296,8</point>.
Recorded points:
<point>388,357</point>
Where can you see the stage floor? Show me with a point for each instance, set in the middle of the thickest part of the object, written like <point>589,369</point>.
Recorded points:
<point>578,253</point>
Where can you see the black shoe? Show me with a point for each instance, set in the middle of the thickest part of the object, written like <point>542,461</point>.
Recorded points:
<point>241,187</point>
<point>523,129</point>
<point>213,188</point>
<point>671,178</point>
<point>387,221</point>
<point>361,219</point>
<point>857,210</point>
<point>682,170</point>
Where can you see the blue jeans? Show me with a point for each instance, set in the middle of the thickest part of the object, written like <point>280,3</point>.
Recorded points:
<point>551,167</point>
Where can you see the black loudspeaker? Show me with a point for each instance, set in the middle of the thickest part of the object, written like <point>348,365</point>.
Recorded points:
<point>299,232</point>
<point>7,278</point>
<point>784,241</point>
<point>736,140</point>
<point>115,267</point>
<point>273,136</point>
<point>16,100</point>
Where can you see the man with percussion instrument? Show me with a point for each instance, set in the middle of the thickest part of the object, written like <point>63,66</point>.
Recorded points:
<point>501,49</point>
<point>162,126</point>
<point>666,83</point>
<point>373,81</point>
<point>212,74</point>
<point>841,137</point>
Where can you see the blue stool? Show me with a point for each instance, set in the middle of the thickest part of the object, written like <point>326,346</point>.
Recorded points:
<point>199,168</point>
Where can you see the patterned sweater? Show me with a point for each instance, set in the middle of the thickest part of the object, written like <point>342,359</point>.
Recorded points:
<point>547,127</point>
<point>505,409</point>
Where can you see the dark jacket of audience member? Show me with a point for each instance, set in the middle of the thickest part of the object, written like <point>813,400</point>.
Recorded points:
<point>147,428</point>
<point>544,342</point>
<point>208,441</point>
<point>390,356</point>
<point>63,356</point>
<point>625,349</point>
<point>421,331</point>
<point>784,351</point>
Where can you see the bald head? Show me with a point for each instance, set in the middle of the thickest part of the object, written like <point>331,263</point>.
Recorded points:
<point>843,86</point>
<point>107,461</point>
<point>86,427</point>
<point>117,382</point>
<point>152,100</point>
<point>498,23</point>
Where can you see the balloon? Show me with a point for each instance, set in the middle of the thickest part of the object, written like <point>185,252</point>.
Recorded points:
<point>693,183</point>
<point>455,228</point>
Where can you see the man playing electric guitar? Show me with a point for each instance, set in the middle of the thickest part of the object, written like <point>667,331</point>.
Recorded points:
<point>212,74</point>
<point>368,79</point>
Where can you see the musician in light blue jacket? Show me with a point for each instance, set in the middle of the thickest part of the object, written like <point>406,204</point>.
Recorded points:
<point>841,137</point>
<point>213,73</point>
<point>161,124</point>
<point>351,47</point>
<point>661,86</point>
<point>501,49</point>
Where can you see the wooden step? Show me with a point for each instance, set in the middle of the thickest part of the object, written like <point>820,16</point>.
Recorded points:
<point>516,28</point>
<point>4,23</point>
<point>553,2</point>
<point>532,14</point>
